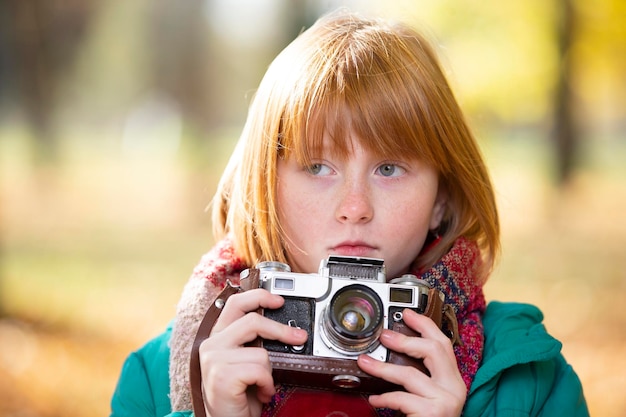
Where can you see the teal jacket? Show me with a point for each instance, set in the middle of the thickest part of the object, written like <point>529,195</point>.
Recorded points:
<point>523,373</point>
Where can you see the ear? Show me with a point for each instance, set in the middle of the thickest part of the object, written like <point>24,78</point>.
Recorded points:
<point>439,209</point>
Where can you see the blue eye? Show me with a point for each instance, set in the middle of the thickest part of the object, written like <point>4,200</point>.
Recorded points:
<point>318,169</point>
<point>390,170</point>
<point>314,169</point>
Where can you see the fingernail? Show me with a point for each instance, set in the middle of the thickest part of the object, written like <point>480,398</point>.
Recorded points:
<point>366,359</point>
<point>299,333</point>
<point>387,335</point>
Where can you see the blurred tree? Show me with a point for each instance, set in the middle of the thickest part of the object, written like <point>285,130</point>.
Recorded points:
<point>590,91</point>
<point>207,56</point>
<point>565,132</point>
<point>38,43</point>
<point>39,40</point>
<point>178,35</point>
<point>599,51</point>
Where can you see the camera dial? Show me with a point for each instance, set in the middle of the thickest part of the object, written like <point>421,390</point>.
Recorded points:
<point>267,266</point>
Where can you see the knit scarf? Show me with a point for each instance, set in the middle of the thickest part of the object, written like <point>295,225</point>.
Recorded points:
<point>455,275</point>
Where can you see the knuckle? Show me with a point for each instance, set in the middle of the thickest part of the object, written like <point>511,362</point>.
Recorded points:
<point>234,301</point>
<point>435,347</point>
<point>253,320</point>
<point>206,346</point>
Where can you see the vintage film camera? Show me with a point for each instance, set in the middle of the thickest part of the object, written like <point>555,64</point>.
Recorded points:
<point>344,309</point>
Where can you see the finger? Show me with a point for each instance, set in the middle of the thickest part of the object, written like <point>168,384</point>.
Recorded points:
<point>428,330</point>
<point>424,325</point>
<point>240,378</point>
<point>398,400</point>
<point>214,359</point>
<point>437,354</point>
<point>227,394</point>
<point>232,367</point>
<point>253,325</point>
<point>443,404</point>
<point>422,393</point>
<point>412,379</point>
<point>240,304</point>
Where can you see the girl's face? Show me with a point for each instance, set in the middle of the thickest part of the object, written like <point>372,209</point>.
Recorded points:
<point>363,205</point>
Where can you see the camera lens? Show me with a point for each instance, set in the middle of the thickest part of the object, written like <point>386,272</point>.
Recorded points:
<point>353,320</point>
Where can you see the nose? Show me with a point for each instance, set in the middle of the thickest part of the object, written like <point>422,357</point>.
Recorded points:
<point>355,205</point>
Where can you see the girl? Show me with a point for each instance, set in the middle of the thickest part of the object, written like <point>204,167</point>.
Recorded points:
<point>355,145</point>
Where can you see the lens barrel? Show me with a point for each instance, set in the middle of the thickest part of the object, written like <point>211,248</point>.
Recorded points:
<point>353,320</point>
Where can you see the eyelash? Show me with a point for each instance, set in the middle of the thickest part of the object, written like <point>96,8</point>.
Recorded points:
<point>316,168</point>
<point>311,168</point>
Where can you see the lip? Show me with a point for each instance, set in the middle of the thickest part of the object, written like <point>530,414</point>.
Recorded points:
<point>353,248</point>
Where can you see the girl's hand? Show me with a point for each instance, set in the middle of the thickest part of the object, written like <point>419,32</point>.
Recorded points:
<point>236,380</point>
<point>441,394</point>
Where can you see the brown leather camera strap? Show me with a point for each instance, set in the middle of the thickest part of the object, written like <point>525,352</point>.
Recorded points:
<point>450,325</point>
<point>195,374</point>
<point>251,280</point>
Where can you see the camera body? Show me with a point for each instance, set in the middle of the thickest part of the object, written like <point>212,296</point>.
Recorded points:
<point>343,308</point>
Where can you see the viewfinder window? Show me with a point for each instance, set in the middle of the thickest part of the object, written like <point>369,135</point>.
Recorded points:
<point>401,295</point>
<point>284,283</point>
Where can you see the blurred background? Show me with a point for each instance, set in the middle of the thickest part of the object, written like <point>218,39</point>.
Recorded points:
<point>116,119</point>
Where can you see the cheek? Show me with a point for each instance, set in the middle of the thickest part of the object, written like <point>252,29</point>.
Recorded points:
<point>296,210</point>
<point>408,218</point>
